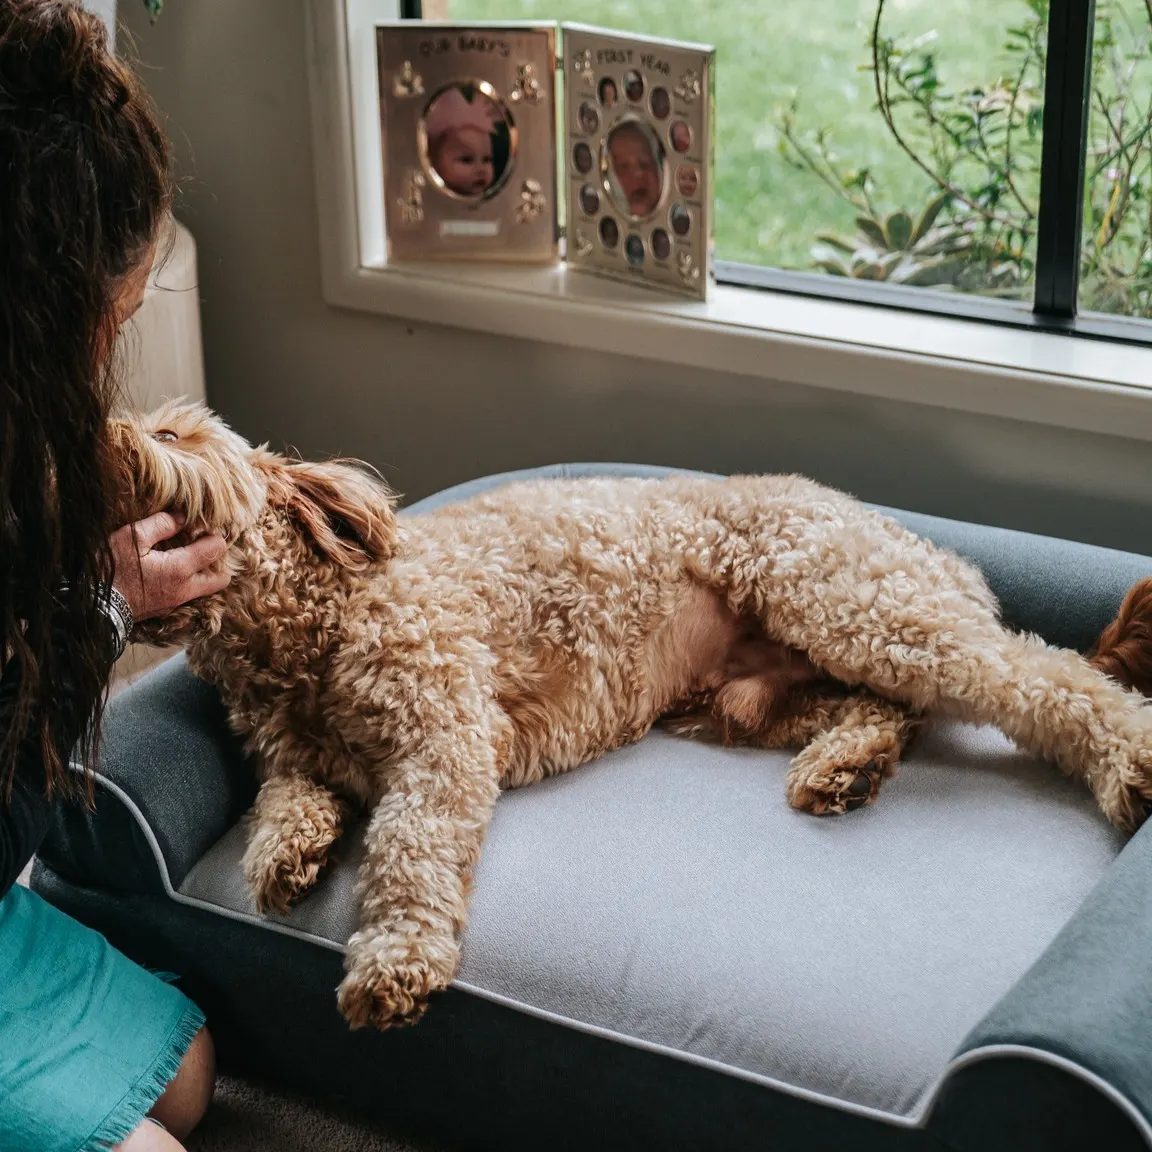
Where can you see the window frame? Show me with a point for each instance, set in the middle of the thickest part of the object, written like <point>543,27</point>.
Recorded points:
<point>966,354</point>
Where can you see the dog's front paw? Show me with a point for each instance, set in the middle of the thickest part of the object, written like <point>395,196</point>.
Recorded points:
<point>279,869</point>
<point>389,988</point>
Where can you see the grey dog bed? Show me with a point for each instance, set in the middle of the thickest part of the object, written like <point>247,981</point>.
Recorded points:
<point>662,954</point>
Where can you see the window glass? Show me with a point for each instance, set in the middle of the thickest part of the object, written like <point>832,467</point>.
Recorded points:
<point>883,140</point>
<point>1116,241</point>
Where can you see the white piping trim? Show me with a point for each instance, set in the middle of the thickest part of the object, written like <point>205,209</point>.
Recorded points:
<point>916,1119</point>
<point>192,901</point>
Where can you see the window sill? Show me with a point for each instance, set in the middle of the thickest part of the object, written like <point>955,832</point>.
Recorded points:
<point>949,363</point>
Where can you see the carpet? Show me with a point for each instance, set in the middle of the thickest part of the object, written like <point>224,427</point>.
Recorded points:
<point>247,1118</point>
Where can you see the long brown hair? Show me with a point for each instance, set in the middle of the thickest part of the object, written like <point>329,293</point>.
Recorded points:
<point>84,190</point>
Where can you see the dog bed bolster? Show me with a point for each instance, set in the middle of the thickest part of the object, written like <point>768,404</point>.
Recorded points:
<point>1074,1032</point>
<point>171,779</point>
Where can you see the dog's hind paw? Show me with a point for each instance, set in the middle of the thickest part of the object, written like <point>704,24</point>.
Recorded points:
<point>843,769</point>
<point>390,995</point>
<point>832,793</point>
<point>1124,789</point>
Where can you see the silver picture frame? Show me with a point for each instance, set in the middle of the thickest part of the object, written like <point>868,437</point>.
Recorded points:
<point>539,142</point>
<point>467,116</point>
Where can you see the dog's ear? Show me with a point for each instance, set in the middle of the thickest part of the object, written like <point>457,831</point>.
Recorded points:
<point>348,513</point>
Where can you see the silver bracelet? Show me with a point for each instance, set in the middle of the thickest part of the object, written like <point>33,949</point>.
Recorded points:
<point>120,602</point>
<point>116,608</point>
<point>118,613</point>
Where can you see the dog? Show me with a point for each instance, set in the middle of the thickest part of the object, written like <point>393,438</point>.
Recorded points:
<point>412,668</point>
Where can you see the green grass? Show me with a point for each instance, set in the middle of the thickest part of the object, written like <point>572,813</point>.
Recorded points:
<point>769,51</point>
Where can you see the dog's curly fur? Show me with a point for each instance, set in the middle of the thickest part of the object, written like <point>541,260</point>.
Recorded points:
<point>414,668</point>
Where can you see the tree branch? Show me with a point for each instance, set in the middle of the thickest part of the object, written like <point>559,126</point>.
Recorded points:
<point>882,98</point>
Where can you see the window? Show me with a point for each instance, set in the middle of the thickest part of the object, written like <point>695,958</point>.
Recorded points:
<point>1117,236</point>
<point>936,155</point>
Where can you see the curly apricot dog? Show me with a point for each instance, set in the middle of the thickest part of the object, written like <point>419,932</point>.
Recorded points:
<point>415,667</point>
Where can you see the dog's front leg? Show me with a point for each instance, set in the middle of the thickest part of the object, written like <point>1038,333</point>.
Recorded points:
<point>293,823</point>
<point>423,840</point>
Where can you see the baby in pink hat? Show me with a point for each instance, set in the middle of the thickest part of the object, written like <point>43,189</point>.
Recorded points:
<point>460,141</point>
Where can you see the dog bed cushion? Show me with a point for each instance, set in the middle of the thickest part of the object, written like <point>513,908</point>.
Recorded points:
<point>667,894</point>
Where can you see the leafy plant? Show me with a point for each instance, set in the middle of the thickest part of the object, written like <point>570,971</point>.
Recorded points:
<point>898,250</point>
<point>979,152</point>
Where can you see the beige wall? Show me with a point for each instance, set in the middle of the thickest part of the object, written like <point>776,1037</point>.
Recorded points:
<point>433,406</point>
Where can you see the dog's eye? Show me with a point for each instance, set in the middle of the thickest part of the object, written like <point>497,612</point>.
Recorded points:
<point>165,436</point>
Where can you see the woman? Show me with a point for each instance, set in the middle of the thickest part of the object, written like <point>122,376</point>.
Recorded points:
<point>90,1044</point>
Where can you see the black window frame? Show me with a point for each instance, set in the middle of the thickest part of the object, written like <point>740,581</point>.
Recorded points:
<point>1063,153</point>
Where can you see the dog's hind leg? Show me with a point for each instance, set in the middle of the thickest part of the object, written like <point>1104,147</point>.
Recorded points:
<point>854,742</point>
<point>934,648</point>
<point>293,823</point>
<point>423,840</point>
<point>1054,703</point>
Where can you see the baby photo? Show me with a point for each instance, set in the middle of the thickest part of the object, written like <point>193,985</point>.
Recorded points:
<point>468,140</point>
<point>635,168</point>
<point>681,136</point>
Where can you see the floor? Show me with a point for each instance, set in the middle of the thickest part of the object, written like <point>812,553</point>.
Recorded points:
<point>245,1118</point>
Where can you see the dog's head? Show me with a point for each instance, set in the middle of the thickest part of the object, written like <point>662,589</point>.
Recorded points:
<point>183,458</point>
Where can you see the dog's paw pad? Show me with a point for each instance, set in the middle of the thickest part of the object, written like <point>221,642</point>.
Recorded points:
<point>862,789</point>
<point>835,792</point>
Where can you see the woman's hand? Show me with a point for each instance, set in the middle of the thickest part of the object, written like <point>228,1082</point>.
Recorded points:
<point>155,581</point>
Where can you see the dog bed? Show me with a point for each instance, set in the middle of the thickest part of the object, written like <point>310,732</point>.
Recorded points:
<point>662,954</point>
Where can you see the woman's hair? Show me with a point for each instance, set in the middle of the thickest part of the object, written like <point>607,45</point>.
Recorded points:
<point>84,189</point>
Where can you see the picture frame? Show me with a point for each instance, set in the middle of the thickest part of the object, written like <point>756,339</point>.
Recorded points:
<point>536,143</point>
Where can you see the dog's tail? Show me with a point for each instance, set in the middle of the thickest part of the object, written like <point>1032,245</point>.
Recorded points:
<point>1124,650</point>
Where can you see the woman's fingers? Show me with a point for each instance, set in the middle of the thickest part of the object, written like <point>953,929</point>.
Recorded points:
<point>157,528</point>
<point>207,582</point>
<point>197,569</point>
<point>178,575</point>
<point>155,581</point>
<point>198,555</point>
